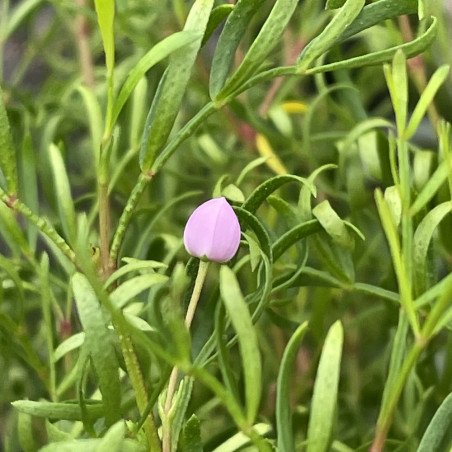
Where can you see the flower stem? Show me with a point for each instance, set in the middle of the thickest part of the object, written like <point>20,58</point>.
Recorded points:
<point>199,282</point>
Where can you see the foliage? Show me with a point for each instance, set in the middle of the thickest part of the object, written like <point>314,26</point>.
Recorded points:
<point>326,127</point>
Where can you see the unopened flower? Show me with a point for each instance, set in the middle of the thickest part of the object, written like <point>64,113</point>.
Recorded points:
<point>213,231</point>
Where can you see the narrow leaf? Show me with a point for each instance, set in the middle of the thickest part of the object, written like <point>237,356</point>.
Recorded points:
<point>165,106</point>
<point>410,49</point>
<point>283,397</point>
<point>259,195</point>
<point>63,193</point>
<point>235,27</point>
<point>50,410</point>
<point>8,164</point>
<point>159,52</point>
<point>333,224</point>
<point>249,348</point>
<point>219,13</point>
<point>421,243</point>
<point>377,12</point>
<point>113,439</point>
<point>438,435</point>
<point>131,288</point>
<point>343,18</point>
<point>426,99</point>
<point>105,10</point>
<point>71,343</point>
<point>99,343</point>
<point>294,235</point>
<point>191,436</point>
<point>239,440</point>
<point>324,399</point>
<point>430,188</point>
<point>25,433</point>
<point>265,41</point>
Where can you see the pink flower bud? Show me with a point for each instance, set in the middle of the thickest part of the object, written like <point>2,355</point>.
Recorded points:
<point>213,231</point>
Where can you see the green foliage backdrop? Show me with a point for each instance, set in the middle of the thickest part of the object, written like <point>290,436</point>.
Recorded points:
<point>325,124</point>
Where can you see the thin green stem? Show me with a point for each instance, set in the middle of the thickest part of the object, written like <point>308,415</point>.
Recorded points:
<point>199,283</point>
<point>136,378</point>
<point>104,227</point>
<point>398,260</point>
<point>385,417</point>
<point>41,223</point>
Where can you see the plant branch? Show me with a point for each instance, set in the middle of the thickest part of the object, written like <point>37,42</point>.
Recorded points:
<point>199,282</point>
<point>40,222</point>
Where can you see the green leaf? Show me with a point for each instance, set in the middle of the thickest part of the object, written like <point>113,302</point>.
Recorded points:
<point>324,399</point>
<point>428,93</point>
<point>249,167</point>
<point>246,218</point>
<point>168,98</point>
<point>260,194</point>
<point>180,406</point>
<point>91,445</point>
<point>283,396</point>
<point>191,436</point>
<point>311,277</point>
<point>430,188</point>
<point>438,436</point>
<point>421,243</point>
<point>219,13</point>
<point>95,120</point>
<point>304,200</point>
<point>105,10</point>
<point>71,343</point>
<point>25,433</point>
<point>63,193</point>
<point>233,31</point>
<point>249,349</point>
<point>100,345</point>
<point>224,360</point>
<point>54,434</point>
<point>333,225</point>
<point>265,41</point>
<point>284,209</point>
<point>160,51</point>
<point>294,235</point>
<point>392,198</point>
<point>410,49</point>
<point>11,232</point>
<point>8,266</point>
<point>133,265</point>
<point>377,12</point>
<point>8,164</point>
<point>397,81</point>
<point>51,410</point>
<point>28,186</point>
<point>131,288</point>
<point>334,4</point>
<point>239,440</point>
<point>113,439</point>
<point>343,18</point>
